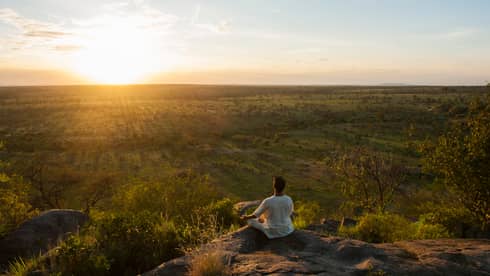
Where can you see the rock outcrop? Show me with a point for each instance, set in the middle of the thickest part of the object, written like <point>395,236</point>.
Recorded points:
<point>307,253</point>
<point>40,233</point>
<point>244,206</point>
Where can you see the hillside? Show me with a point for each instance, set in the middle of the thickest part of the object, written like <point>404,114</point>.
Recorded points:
<point>248,252</point>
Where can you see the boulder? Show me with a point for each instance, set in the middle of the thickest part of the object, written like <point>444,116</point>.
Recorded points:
<point>327,226</point>
<point>307,253</point>
<point>40,233</point>
<point>244,206</point>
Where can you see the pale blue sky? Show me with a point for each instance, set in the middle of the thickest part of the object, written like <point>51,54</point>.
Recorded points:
<point>249,41</point>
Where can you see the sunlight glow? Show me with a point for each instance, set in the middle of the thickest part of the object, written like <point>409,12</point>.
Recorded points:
<point>119,54</point>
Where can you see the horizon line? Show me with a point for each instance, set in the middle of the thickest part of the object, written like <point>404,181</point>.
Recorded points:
<point>249,84</point>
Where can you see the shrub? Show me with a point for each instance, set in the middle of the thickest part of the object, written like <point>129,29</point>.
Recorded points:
<point>424,230</point>
<point>223,211</point>
<point>305,213</point>
<point>378,228</point>
<point>118,244</point>
<point>134,243</point>
<point>454,218</point>
<point>384,227</point>
<point>14,204</point>
<point>14,199</point>
<point>78,255</point>
<point>174,197</point>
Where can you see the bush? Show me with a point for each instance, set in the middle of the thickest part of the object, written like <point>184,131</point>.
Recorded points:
<point>134,243</point>
<point>223,211</point>
<point>118,244</point>
<point>14,204</point>
<point>455,219</point>
<point>208,223</point>
<point>384,227</point>
<point>305,213</point>
<point>424,230</point>
<point>175,197</point>
<point>14,200</point>
<point>78,255</point>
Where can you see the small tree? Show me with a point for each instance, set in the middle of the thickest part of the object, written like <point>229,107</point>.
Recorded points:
<point>369,180</point>
<point>52,184</point>
<point>97,189</point>
<point>460,159</point>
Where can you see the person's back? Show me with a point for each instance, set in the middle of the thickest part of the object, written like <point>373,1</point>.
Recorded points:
<point>273,216</point>
<point>280,209</point>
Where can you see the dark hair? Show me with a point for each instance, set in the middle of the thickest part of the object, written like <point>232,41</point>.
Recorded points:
<point>279,183</point>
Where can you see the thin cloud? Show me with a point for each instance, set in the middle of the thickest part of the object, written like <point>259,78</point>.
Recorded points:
<point>137,14</point>
<point>222,27</point>
<point>30,27</point>
<point>455,34</point>
<point>67,48</point>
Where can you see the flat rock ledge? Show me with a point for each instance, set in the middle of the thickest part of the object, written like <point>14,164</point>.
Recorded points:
<point>307,253</point>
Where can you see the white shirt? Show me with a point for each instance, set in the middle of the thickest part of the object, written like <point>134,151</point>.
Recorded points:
<point>276,211</point>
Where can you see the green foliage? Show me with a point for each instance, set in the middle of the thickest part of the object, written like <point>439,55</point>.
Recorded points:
<point>456,219</point>
<point>136,242</point>
<point>223,211</point>
<point>461,161</point>
<point>174,197</point>
<point>305,213</point>
<point>378,228</point>
<point>385,227</point>
<point>79,255</point>
<point>118,244</point>
<point>15,207</point>
<point>424,230</point>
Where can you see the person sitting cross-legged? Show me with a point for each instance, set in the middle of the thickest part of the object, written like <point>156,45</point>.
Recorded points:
<point>273,216</point>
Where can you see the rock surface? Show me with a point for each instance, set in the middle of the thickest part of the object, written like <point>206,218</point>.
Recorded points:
<point>307,253</point>
<point>40,233</point>
<point>244,206</point>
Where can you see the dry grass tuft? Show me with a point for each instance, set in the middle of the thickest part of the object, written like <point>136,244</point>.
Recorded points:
<point>210,263</point>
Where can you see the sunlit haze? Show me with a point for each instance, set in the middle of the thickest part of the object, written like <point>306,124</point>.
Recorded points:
<point>49,42</point>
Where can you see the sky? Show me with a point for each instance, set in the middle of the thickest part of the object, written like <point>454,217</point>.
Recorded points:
<point>300,42</point>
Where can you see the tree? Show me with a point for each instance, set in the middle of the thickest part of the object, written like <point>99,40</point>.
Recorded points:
<point>52,184</point>
<point>368,179</point>
<point>97,189</point>
<point>460,159</point>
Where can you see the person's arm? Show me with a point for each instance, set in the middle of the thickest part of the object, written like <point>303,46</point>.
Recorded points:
<point>247,217</point>
<point>259,211</point>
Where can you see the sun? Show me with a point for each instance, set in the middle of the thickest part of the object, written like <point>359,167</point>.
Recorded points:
<point>117,54</point>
